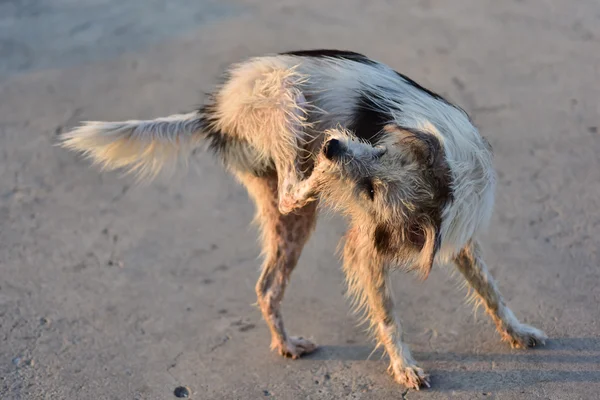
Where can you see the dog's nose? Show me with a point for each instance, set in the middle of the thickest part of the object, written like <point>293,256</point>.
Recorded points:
<point>333,149</point>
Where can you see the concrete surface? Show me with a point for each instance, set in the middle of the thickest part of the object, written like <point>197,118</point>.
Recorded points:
<point>109,291</point>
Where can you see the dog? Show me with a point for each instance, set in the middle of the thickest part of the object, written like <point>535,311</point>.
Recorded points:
<point>408,169</point>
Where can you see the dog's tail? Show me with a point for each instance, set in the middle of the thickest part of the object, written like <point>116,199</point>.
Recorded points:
<point>142,148</point>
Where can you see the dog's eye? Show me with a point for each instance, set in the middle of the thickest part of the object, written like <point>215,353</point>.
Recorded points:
<point>367,184</point>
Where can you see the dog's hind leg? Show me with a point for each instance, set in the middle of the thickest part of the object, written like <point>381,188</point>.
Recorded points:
<point>470,263</point>
<point>283,238</point>
<point>263,103</point>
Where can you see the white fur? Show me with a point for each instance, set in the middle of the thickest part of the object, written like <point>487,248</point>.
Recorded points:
<point>141,147</point>
<point>286,98</point>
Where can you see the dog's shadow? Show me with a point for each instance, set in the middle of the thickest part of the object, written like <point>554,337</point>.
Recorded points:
<point>575,360</point>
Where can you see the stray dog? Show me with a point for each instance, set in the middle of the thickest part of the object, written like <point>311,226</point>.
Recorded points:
<point>407,167</point>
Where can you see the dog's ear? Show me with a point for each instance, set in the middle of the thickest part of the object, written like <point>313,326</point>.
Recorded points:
<point>418,240</point>
<point>426,149</point>
<point>424,146</point>
<point>424,234</point>
<point>423,228</point>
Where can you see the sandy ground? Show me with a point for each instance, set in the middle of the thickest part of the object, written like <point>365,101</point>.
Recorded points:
<point>110,291</point>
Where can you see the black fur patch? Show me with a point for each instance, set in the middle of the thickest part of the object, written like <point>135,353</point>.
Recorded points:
<point>415,234</point>
<point>218,142</point>
<point>353,56</point>
<point>382,239</point>
<point>226,146</point>
<point>366,185</point>
<point>327,53</point>
<point>369,118</point>
<point>424,89</point>
<point>429,152</point>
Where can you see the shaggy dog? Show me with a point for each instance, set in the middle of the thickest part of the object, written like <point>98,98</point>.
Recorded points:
<point>407,167</point>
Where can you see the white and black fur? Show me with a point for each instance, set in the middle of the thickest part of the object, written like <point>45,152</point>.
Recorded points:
<point>274,123</point>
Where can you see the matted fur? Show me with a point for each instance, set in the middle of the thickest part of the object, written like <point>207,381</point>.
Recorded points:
<point>407,168</point>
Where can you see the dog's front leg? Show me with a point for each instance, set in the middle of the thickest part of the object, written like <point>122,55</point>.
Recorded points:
<point>470,263</point>
<point>367,278</point>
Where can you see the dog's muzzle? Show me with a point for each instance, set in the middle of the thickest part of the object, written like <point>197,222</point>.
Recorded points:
<point>334,149</point>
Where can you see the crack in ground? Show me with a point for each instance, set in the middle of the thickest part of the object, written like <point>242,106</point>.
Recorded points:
<point>174,364</point>
<point>224,340</point>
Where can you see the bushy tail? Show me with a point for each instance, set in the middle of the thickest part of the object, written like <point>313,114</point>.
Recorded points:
<point>142,148</point>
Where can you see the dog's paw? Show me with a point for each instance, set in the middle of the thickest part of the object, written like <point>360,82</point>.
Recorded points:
<point>412,377</point>
<point>294,347</point>
<point>524,336</point>
<point>289,203</point>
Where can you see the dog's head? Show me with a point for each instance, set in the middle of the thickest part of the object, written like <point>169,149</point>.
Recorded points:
<point>394,191</point>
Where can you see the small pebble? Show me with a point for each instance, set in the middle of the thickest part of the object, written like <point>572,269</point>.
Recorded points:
<point>266,393</point>
<point>44,321</point>
<point>181,392</point>
<point>16,361</point>
<point>115,263</point>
